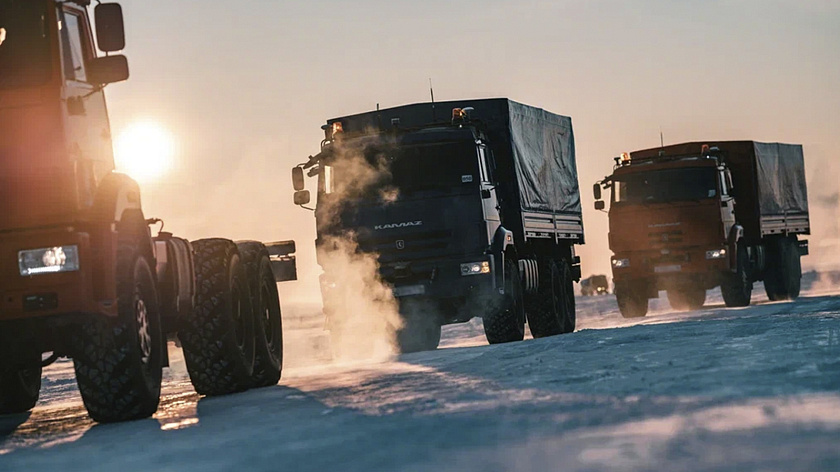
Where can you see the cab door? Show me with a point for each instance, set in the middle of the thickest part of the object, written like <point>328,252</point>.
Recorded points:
<point>88,134</point>
<point>727,202</point>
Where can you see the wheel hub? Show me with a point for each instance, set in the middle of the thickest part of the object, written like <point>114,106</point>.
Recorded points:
<point>145,338</point>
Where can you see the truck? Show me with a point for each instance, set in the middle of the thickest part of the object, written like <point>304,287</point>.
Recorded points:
<point>690,217</point>
<point>81,275</point>
<point>594,285</point>
<point>474,211</point>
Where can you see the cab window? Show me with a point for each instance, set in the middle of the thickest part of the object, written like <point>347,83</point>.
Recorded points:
<point>72,38</point>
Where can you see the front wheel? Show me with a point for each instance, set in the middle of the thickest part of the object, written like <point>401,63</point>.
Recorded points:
<point>19,387</point>
<point>631,302</point>
<point>505,322</point>
<point>119,363</point>
<point>736,287</point>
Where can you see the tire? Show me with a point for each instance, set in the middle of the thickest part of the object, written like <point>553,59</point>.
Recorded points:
<point>736,287</point>
<point>505,322</point>
<point>783,277</point>
<point>218,339</point>
<point>119,362</point>
<point>421,326</point>
<point>19,387</point>
<point>632,303</point>
<point>687,298</point>
<point>551,311</point>
<point>268,323</point>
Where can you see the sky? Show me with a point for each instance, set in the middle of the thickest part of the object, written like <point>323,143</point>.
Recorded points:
<point>244,90</point>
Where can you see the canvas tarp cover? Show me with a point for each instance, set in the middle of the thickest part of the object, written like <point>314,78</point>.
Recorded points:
<point>781,178</point>
<point>544,151</point>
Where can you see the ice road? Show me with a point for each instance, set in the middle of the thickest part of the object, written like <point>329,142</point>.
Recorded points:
<point>716,389</point>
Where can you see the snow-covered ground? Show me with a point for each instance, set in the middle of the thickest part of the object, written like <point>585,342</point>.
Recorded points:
<point>716,389</point>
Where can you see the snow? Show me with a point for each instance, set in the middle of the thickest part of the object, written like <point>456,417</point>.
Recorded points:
<point>715,389</point>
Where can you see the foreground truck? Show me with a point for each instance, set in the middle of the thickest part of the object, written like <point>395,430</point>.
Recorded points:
<point>690,217</point>
<point>473,215</point>
<point>80,274</point>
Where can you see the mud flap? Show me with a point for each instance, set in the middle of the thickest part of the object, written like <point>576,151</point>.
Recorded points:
<point>282,258</point>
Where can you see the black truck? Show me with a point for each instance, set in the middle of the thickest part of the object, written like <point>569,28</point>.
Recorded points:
<point>470,207</point>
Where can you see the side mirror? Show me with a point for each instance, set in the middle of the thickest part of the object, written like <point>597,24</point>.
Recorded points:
<point>110,29</point>
<point>297,178</point>
<point>600,205</point>
<point>596,190</point>
<point>302,197</point>
<point>107,70</point>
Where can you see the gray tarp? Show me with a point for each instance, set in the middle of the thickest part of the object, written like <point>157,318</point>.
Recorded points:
<point>781,178</point>
<point>544,152</point>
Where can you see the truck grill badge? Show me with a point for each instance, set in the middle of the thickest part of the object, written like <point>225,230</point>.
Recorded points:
<point>406,224</point>
<point>400,244</point>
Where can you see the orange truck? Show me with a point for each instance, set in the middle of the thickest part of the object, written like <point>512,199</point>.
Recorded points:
<point>690,217</point>
<point>81,275</point>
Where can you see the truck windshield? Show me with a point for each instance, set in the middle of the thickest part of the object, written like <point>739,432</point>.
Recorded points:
<point>403,171</point>
<point>24,43</point>
<point>669,185</point>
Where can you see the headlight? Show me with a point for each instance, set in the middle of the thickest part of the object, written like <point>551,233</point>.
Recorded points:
<point>620,263</point>
<point>716,254</point>
<point>475,268</point>
<point>48,260</point>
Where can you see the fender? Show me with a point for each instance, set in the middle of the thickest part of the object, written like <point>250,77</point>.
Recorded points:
<point>736,233</point>
<point>116,194</point>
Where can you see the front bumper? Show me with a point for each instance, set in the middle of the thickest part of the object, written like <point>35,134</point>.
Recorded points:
<point>91,289</point>
<point>670,268</point>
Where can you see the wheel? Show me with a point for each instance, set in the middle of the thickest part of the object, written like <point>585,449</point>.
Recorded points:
<point>782,279</point>
<point>687,298</point>
<point>421,326</point>
<point>505,322</point>
<point>218,339</point>
<point>119,362</point>
<point>551,310</point>
<point>631,302</point>
<point>268,324</point>
<point>736,287</point>
<point>19,387</point>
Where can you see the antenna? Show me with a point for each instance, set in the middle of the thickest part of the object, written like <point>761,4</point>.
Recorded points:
<point>432,93</point>
<point>661,138</point>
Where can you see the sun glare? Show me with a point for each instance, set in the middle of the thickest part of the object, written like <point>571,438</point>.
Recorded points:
<point>144,150</point>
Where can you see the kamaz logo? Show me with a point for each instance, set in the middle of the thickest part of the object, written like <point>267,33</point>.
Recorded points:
<point>407,224</point>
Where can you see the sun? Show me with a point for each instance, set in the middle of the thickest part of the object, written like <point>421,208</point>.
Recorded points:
<point>144,150</point>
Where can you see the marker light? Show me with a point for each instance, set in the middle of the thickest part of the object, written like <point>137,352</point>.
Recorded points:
<point>458,114</point>
<point>625,157</point>
<point>475,268</point>
<point>620,263</point>
<point>48,260</point>
<point>337,128</point>
<point>716,254</point>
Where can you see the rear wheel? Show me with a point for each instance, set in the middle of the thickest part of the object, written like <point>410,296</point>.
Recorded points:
<point>551,310</point>
<point>687,298</point>
<point>505,322</point>
<point>218,339</point>
<point>783,276</point>
<point>268,324</point>
<point>421,326</point>
<point>736,287</point>
<point>632,302</point>
<point>119,362</point>
<point>19,387</point>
